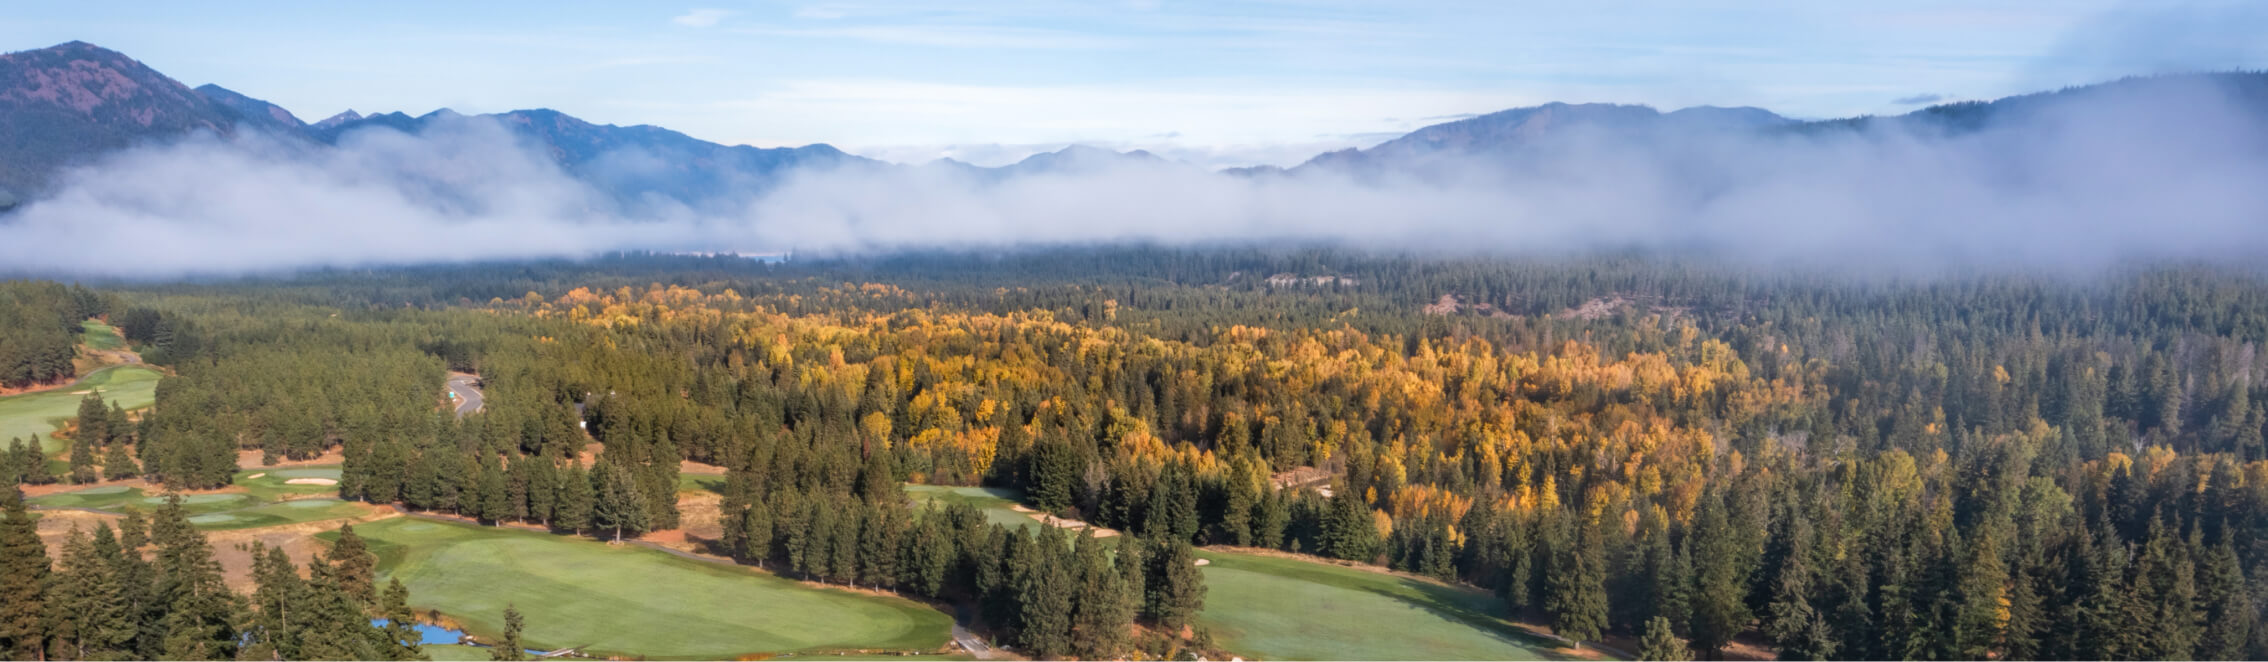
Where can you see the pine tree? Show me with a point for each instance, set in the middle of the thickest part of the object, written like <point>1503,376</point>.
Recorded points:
<point>24,568</point>
<point>1046,589</point>
<point>618,506</point>
<point>93,421</point>
<point>118,463</point>
<point>33,468</point>
<point>83,460</point>
<point>1577,592</point>
<point>1719,610</point>
<point>1099,626</point>
<point>1661,643</point>
<point>2228,605</point>
<point>356,566</point>
<point>1177,585</point>
<point>199,610</point>
<point>510,647</point>
<point>494,502</point>
<point>107,613</point>
<point>573,512</point>
<point>117,427</point>
<point>401,635</point>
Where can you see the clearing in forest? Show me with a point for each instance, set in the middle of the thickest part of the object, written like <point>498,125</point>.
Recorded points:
<point>632,600</point>
<point>42,412</point>
<point>1290,609</point>
<point>998,505</point>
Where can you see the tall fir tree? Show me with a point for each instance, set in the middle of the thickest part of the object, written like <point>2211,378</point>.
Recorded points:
<point>24,568</point>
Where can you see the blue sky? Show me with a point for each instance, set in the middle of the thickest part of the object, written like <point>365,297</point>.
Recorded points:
<point>1220,83</point>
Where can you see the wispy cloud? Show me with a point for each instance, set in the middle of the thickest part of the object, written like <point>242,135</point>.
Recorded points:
<point>702,18</point>
<point>1918,99</point>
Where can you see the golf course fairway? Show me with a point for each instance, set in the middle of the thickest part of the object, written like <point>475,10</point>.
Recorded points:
<point>1289,609</point>
<point>631,600</point>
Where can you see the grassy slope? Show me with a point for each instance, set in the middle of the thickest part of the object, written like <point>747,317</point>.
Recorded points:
<point>626,599</point>
<point>994,502</point>
<point>1289,609</point>
<point>97,335</point>
<point>21,416</point>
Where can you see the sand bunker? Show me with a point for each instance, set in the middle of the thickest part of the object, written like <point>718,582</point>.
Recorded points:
<point>257,475</point>
<point>311,481</point>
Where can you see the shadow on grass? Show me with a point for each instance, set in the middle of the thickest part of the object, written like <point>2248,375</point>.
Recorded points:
<point>1475,608</point>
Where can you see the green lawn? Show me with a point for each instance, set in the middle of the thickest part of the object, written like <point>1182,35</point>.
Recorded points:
<point>633,600</point>
<point>97,335</point>
<point>1289,609</point>
<point>993,501</point>
<point>268,500</point>
<point>274,514</point>
<point>274,484</point>
<point>687,482</point>
<point>21,416</point>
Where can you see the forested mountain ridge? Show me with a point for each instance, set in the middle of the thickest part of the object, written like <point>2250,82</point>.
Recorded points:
<point>72,103</point>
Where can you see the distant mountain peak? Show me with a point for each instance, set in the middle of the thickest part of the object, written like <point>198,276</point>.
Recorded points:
<point>335,120</point>
<point>68,102</point>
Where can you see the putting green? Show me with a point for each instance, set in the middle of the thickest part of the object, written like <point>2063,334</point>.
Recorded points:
<point>101,498</point>
<point>21,416</point>
<point>633,600</point>
<point>1289,609</point>
<point>997,504</point>
<point>274,484</point>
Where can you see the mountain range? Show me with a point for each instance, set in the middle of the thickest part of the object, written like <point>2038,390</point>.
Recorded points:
<point>72,103</point>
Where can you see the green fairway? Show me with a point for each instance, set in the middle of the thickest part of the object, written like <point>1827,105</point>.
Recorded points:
<point>1289,609</point>
<point>634,600</point>
<point>275,484</point>
<point>995,503</point>
<point>21,416</point>
<point>691,482</point>
<point>286,512</point>
<point>97,335</point>
<point>268,500</point>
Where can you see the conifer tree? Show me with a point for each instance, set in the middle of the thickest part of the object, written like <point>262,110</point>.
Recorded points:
<point>510,647</point>
<point>573,511</point>
<point>403,642</point>
<point>83,461</point>
<point>24,569</point>
<point>1176,584</point>
<point>33,467</point>
<point>93,421</point>
<point>1661,644</point>
<point>1577,590</point>
<point>199,610</point>
<point>618,506</point>
<point>118,463</point>
<point>356,566</point>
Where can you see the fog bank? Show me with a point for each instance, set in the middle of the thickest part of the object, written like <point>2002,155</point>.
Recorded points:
<point>2177,169</point>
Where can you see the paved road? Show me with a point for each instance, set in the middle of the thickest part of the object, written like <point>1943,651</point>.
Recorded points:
<point>467,389</point>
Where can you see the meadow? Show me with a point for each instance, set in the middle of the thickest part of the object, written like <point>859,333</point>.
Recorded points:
<point>1279,608</point>
<point>633,600</point>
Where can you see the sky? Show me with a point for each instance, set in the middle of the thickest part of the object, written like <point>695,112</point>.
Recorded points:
<point>1218,83</point>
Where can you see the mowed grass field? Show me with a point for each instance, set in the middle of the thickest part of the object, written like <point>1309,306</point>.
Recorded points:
<point>21,416</point>
<point>997,504</point>
<point>1288,609</point>
<point>632,600</point>
<point>97,335</point>
<point>268,499</point>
